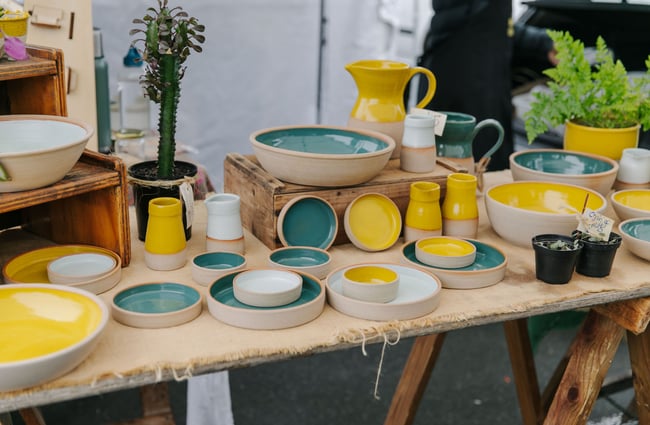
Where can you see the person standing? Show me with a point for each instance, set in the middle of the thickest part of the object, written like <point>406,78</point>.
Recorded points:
<point>469,47</point>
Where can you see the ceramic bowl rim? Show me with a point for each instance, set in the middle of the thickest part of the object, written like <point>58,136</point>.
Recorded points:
<point>632,220</point>
<point>103,322</point>
<point>359,284</point>
<point>304,248</point>
<point>369,133</point>
<point>350,231</point>
<point>34,117</point>
<point>87,277</point>
<point>139,314</point>
<point>542,213</point>
<point>459,241</point>
<point>284,292</point>
<point>501,265</point>
<point>542,174</point>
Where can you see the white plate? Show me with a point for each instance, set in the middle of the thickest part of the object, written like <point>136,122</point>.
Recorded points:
<point>418,295</point>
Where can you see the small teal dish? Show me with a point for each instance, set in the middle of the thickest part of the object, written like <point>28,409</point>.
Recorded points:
<point>310,260</point>
<point>156,305</point>
<point>322,140</point>
<point>488,268</point>
<point>208,266</point>
<point>561,166</point>
<point>636,236</point>
<point>307,221</point>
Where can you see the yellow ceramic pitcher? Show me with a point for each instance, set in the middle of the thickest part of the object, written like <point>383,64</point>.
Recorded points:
<point>380,102</point>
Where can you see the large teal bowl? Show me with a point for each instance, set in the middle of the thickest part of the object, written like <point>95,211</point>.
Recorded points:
<point>320,155</point>
<point>561,166</point>
<point>636,236</point>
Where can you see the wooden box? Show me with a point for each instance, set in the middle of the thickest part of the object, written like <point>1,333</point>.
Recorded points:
<point>263,196</point>
<point>88,206</point>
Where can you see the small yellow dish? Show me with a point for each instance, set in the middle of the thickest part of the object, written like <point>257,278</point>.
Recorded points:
<point>372,222</point>
<point>370,283</point>
<point>445,252</point>
<point>631,203</point>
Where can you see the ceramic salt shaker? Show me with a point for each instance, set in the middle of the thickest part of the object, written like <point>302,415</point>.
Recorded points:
<point>418,153</point>
<point>225,231</point>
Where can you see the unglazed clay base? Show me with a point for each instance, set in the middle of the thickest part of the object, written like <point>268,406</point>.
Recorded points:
<point>460,228</point>
<point>165,261</point>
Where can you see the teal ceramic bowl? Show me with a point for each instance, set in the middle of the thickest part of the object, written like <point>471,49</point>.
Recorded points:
<point>305,259</point>
<point>156,305</point>
<point>636,236</point>
<point>307,221</point>
<point>488,268</point>
<point>561,166</point>
<point>209,266</point>
<point>319,155</point>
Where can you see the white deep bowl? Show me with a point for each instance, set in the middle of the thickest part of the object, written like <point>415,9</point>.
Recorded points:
<point>520,210</point>
<point>71,319</point>
<point>38,150</point>
<point>267,287</point>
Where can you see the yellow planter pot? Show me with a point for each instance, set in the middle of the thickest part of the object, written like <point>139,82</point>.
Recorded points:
<point>14,24</point>
<point>608,142</point>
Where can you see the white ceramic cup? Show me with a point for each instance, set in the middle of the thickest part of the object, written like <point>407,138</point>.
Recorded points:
<point>419,131</point>
<point>224,220</point>
<point>634,166</point>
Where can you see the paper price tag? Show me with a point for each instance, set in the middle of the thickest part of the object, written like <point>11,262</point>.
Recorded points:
<point>595,225</point>
<point>187,195</point>
<point>439,119</point>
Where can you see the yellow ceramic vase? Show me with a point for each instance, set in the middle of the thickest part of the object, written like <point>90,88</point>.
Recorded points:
<point>460,207</point>
<point>608,142</point>
<point>380,101</point>
<point>164,242</point>
<point>423,217</point>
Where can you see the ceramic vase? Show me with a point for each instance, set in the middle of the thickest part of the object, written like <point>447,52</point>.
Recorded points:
<point>164,243</point>
<point>418,154</point>
<point>423,215</point>
<point>596,258</point>
<point>634,166</point>
<point>225,231</point>
<point>460,207</point>
<point>555,266</point>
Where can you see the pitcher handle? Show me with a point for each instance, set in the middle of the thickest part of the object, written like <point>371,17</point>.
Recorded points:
<point>431,89</point>
<point>489,122</point>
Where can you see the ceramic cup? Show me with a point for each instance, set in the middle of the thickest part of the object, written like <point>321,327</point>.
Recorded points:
<point>418,153</point>
<point>634,166</point>
<point>225,231</point>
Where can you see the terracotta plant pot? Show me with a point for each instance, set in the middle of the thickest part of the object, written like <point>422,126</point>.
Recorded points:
<point>553,265</point>
<point>596,257</point>
<point>146,186</point>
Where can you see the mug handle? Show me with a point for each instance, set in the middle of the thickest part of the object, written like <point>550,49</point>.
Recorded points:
<point>490,123</point>
<point>431,89</point>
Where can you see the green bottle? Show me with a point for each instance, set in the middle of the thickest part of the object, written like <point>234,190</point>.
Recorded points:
<point>102,95</point>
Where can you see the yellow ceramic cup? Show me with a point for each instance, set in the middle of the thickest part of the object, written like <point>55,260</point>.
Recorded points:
<point>165,233</point>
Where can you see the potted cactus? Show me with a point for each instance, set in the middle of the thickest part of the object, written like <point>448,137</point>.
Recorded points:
<point>168,36</point>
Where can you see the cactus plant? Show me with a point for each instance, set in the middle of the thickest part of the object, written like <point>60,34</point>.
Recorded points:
<point>169,36</point>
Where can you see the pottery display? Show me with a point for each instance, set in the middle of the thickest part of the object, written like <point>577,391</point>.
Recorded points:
<point>423,217</point>
<point>460,206</point>
<point>38,150</point>
<point>636,236</point>
<point>371,283</point>
<point>164,243</point>
<point>555,257</point>
<point>631,203</point>
<point>556,165</point>
<point>380,100</point>
<point>445,252</point>
<point>76,268</point>
<point>418,152</point>
<point>306,259</point>
<point>318,155</point>
<point>224,231</point>
<point>520,210</point>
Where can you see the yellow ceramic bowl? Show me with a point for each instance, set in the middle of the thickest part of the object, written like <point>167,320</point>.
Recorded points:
<point>45,331</point>
<point>372,222</point>
<point>445,252</point>
<point>520,210</point>
<point>631,203</point>
<point>370,283</point>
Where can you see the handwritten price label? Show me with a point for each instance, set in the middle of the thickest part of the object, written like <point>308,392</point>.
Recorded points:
<point>596,225</point>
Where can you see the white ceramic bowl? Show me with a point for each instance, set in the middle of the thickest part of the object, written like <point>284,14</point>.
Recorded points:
<point>636,236</point>
<point>38,150</point>
<point>558,165</point>
<point>306,259</point>
<point>445,252</point>
<point>631,203</point>
<point>371,283</point>
<point>77,268</point>
<point>319,155</point>
<point>520,210</point>
<point>267,287</point>
<point>72,320</point>
<point>210,266</point>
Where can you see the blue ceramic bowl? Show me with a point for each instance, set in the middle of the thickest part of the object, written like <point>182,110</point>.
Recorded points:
<point>636,236</point>
<point>302,259</point>
<point>582,169</point>
<point>322,155</point>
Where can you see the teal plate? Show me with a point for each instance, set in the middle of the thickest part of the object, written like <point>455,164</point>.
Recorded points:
<point>224,307</point>
<point>307,221</point>
<point>319,140</point>
<point>562,162</point>
<point>488,268</point>
<point>157,298</point>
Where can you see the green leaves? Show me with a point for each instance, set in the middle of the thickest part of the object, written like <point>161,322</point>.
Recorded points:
<point>600,97</point>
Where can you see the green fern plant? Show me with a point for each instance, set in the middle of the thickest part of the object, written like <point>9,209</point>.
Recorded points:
<point>603,97</point>
<point>170,35</point>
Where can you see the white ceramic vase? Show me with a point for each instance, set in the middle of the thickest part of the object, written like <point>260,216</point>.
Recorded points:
<point>418,153</point>
<point>225,231</point>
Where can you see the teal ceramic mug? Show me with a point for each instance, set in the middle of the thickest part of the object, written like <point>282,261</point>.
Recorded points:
<point>458,136</point>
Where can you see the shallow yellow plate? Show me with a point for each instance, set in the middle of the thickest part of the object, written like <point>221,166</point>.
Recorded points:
<point>31,266</point>
<point>37,321</point>
<point>372,222</point>
<point>546,197</point>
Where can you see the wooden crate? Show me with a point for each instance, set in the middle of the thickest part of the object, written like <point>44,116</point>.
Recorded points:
<point>263,196</point>
<point>88,206</point>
